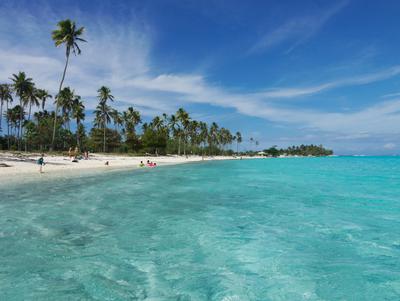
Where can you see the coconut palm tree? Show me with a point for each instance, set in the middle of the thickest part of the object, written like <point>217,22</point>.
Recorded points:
<point>65,100</point>
<point>131,118</point>
<point>15,117</point>
<point>103,111</point>
<point>117,119</point>
<point>31,100</point>
<point>203,135</point>
<point>69,35</point>
<point>184,120</point>
<point>5,97</point>
<point>104,94</point>
<point>22,86</point>
<point>43,95</point>
<point>78,113</point>
<point>213,135</point>
<point>174,128</point>
<point>103,117</point>
<point>238,141</point>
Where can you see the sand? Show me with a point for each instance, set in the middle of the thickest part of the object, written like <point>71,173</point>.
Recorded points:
<point>23,166</point>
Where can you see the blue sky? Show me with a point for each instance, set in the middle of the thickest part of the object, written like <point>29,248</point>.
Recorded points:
<point>283,72</point>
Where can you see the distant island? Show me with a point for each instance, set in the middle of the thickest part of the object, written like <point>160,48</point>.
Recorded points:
<point>301,151</point>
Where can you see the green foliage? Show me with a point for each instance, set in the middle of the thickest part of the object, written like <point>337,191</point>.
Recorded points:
<point>302,150</point>
<point>154,142</point>
<point>95,140</point>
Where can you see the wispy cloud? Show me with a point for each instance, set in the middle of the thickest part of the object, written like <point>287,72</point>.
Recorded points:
<point>296,31</point>
<point>359,80</point>
<point>391,95</point>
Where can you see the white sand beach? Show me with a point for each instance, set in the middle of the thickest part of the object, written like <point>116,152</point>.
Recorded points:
<point>21,165</point>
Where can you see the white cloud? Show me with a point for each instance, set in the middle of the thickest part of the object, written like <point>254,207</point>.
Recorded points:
<point>365,79</point>
<point>296,30</point>
<point>389,146</point>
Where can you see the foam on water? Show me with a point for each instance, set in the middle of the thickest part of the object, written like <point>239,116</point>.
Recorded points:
<point>279,229</point>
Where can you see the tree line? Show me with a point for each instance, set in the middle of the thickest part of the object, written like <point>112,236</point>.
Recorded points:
<point>51,130</point>
<point>112,130</point>
<point>302,150</point>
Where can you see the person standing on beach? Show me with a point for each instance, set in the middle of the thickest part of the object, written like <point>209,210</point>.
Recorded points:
<point>41,163</point>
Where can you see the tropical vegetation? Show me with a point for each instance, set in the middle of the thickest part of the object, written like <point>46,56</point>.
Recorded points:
<point>31,127</point>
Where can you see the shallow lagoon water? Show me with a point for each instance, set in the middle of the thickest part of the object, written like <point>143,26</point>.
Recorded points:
<point>268,229</point>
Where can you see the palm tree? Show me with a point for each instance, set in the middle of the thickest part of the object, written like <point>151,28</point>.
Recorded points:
<point>194,128</point>
<point>31,99</point>
<point>5,96</point>
<point>184,120</point>
<point>117,118</point>
<point>68,34</point>
<point>16,116</point>
<point>173,125</point>
<point>238,141</point>
<point>131,118</point>
<point>203,135</point>
<point>78,113</point>
<point>105,94</point>
<point>65,100</point>
<point>43,95</point>
<point>103,111</point>
<point>21,85</point>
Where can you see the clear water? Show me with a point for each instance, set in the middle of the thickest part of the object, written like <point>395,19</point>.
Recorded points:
<point>278,229</point>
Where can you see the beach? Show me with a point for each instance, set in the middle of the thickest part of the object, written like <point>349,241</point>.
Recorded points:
<point>20,165</point>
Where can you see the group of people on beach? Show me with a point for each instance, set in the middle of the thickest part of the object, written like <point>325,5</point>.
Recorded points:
<point>74,155</point>
<point>148,164</point>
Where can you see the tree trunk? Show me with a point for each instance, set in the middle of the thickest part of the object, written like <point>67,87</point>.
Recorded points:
<point>1,114</point>
<point>179,145</point>
<point>20,125</point>
<point>104,138</point>
<point>77,135</point>
<point>30,110</point>
<point>8,128</point>
<point>59,90</point>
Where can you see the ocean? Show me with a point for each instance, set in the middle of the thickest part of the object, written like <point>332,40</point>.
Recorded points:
<point>262,229</point>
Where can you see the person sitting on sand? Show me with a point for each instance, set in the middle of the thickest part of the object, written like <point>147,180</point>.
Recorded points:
<point>41,163</point>
<point>141,164</point>
<point>107,163</point>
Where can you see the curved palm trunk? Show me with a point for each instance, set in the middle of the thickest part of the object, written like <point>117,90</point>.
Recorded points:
<point>8,128</point>
<point>59,90</point>
<point>104,137</point>
<point>30,110</point>
<point>29,118</point>
<point>77,135</point>
<point>20,125</point>
<point>1,114</point>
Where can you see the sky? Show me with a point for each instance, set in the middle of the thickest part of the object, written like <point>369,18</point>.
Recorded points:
<point>282,72</point>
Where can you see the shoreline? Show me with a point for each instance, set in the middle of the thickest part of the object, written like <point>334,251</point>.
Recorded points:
<point>23,168</point>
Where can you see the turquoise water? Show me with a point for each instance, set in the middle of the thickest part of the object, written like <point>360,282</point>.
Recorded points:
<point>273,229</point>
